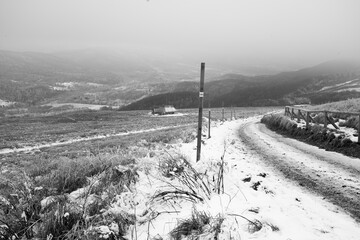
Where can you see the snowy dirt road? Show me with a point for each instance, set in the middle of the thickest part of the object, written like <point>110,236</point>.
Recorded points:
<point>306,192</point>
<point>330,175</point>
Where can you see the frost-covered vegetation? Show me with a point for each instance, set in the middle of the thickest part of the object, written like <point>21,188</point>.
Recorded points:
<point>114,196</point>
<point>89,197</point>
<point>342,140</point>
<point>350,105</point>
<point>107,189</point>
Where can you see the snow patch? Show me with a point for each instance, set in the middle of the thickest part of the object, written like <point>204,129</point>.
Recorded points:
<point>5,103</point>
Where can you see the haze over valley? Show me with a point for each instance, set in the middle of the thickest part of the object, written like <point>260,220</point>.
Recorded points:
<point>130,81</point>
<point>119,53</point>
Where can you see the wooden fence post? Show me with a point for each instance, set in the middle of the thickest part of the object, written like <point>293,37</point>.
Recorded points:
<point>209,124</point>
<point>298,116</point>
<point>292,114</point>
<point>307,120</point>
<point>325,119</point>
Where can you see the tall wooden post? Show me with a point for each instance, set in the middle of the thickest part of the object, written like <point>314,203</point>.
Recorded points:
<point>209,136</point>
<point>307,120</point>
<point>298,116</point>
<point>222,110</point>
<point>201,100</point>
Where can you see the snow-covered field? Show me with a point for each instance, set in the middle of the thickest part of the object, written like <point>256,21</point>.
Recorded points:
<point>253,195</point>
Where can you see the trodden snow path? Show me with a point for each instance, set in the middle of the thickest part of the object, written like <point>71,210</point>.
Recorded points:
<point>299,212</point>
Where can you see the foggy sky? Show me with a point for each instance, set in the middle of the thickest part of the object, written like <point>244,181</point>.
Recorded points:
<point>300,31</point>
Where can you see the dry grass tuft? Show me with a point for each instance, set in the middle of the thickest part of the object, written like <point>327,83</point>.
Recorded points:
<point>191,183</point>
<point>192,226</point>
<point>199,225</point>
<point>273,227</point>
<point>66,175</point>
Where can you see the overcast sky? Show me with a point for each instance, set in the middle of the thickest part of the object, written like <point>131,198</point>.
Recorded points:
<point>265,30</point>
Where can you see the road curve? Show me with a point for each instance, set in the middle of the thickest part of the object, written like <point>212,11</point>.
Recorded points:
<point>331,175</point>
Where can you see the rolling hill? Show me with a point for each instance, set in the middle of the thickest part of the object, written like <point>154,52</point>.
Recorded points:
<point>326,82</point>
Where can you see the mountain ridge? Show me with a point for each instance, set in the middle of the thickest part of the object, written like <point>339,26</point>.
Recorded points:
<point>308,85</point>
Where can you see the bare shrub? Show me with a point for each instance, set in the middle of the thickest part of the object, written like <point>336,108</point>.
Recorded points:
<point>278,121</point>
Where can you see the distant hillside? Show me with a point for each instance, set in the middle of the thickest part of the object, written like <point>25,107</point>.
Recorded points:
<point>84,76</point>
<point>89,76</point>
<point>326,82</point>
<point>41,68</point>
<point>30,78</point>
<point>118,78</point>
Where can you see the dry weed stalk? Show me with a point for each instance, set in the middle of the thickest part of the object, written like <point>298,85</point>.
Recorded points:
<point>219,185</point>
<point>254,226</point>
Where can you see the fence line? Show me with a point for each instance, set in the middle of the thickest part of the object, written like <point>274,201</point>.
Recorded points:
<point>305,114</point>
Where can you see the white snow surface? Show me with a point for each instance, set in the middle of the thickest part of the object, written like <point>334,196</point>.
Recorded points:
<point>5,103</point>
<point>285,210</point>
<point>177,114</point>
<point>347,84</point>
<point>349,133</point>
<point>77,105</point>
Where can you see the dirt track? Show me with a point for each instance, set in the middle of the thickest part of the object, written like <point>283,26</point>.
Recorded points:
<point>331,175</point>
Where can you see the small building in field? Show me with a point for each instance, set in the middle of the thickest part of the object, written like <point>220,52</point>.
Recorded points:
<point>167,109</point>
